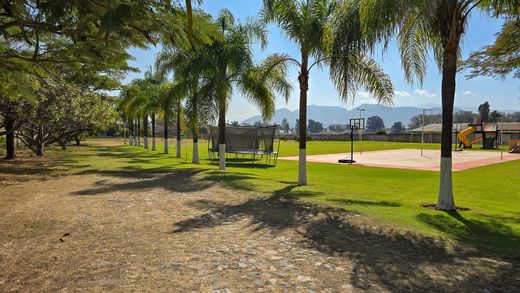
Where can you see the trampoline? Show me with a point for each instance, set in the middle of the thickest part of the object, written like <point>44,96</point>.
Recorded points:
<point>244,141</point>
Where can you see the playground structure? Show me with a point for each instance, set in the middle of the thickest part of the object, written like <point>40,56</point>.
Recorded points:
<point>514,146</point>
<point>488,135</point>
<point>249,141</point>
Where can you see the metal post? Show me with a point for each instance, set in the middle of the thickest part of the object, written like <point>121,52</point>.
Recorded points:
<point>360,133</point>
<point>501,138</point>
<point>422,132</point>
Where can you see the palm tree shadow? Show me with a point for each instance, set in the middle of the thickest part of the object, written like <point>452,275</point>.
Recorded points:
<point>486,235</point>
<point>386,258</point>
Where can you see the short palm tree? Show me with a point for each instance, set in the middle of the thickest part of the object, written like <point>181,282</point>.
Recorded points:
<point>439,26</point>
<point>327,32</point>
<point>228,63</point>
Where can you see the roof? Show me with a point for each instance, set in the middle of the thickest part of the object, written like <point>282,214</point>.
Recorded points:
<point>507,127</point>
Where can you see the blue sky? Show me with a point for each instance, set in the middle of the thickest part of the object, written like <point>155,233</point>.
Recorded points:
<point>502,94</point>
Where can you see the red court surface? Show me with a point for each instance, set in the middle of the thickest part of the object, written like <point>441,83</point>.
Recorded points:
<point>412,159</point>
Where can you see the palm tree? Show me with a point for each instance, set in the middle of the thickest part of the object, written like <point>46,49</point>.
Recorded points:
<point>439,26</point>
<point>228,63</point>
<point>328,33</point>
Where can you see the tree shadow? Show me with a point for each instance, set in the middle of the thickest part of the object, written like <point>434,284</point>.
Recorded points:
<point>346,201</point>
<point>476,233</point>
<point>182,180</point>
<point>382,259</point>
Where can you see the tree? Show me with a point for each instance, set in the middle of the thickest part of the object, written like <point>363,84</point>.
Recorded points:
<point>337,128</point>
<point>464,117</point>
<point>375,123</point>
<point>501,58</point>
<point>62,112</point>
<point>228,63</point>
<point>495,116</point>
<point>258,123</point>
<point>315,126</point>
<point>398,128</point>
<point>484,110</point>
<point>438,25</point>
<point>285,126</point>
<point>327,33</point>
<point>417,120</point>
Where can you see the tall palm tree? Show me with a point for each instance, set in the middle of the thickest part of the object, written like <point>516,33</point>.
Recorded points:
<point>327,32</point>
<point>198,92</point>
<point>228,63</point>
<point>439,26</point>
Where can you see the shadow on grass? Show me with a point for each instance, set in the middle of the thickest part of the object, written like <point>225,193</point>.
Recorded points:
<point>476,233</point>
<point>346,201</point>
<point>393,261</point>
<point>181,180</point>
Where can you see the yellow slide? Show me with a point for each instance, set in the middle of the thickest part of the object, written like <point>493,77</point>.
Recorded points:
<point>463,136</point>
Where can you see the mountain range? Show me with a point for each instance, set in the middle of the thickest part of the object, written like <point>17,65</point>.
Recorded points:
<point>337,115</point>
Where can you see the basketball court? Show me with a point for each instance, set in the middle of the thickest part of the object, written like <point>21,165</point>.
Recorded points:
<point>412,159</point>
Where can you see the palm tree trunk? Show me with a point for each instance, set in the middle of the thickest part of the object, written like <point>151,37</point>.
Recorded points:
<point>138,132</point>
<point>179,138</point>
<point>166,132</point>
<point>145,131</point>
<point>195,134</point>
<point>130,132</point>
<point>303,78</point>
<point>9,137</point>
<point>154,147</point>
<point>449,71</point>
<point>222,134</point>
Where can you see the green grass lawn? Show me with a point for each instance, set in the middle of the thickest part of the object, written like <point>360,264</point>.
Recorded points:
<point>391,198</point>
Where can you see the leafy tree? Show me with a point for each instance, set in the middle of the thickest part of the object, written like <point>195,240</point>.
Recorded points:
<point>501,58</point>
<point>375,123</point>
<point>285,126</point>
<point>463,117</point>
<point>62,112</point>
<point>417,120</point>
<point>327,32</point>
<point>337,128</point>
<point>438,25</point>
<point>398,128</point>
<point>315,126</point>
<point>484,110</point>
<point>495,116</point>
<point>258,124</point>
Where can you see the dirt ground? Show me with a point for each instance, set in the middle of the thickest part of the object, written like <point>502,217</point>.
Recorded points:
<point>175,232</point>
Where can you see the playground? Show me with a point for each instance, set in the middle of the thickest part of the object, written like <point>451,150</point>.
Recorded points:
<point>412,159</point>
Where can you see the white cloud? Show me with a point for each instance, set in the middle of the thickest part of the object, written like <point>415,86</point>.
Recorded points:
<point>424,93</point>
<point>468,93</point>
<point>402,93</point>
<point>365,97</point>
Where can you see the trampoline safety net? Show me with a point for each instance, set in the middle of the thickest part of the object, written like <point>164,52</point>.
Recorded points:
<point>246,140</point>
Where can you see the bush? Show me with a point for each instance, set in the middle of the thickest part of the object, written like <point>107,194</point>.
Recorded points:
<point>381,132</point>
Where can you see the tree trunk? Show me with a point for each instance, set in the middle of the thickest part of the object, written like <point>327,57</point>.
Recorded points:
<point>145,131</point>
<point>78,140</point>
<point>39,149</point>
<point>154,147</point>
<point>138,132</point>
<point>449,71</point>
<point>9,142</point>
<point>130,132</point>
<point>195,134</point>
<point>166,132</point>
<point>303,78</point>
<point>63,144</point>
<point>179,137</point>
<point>222,134</point>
